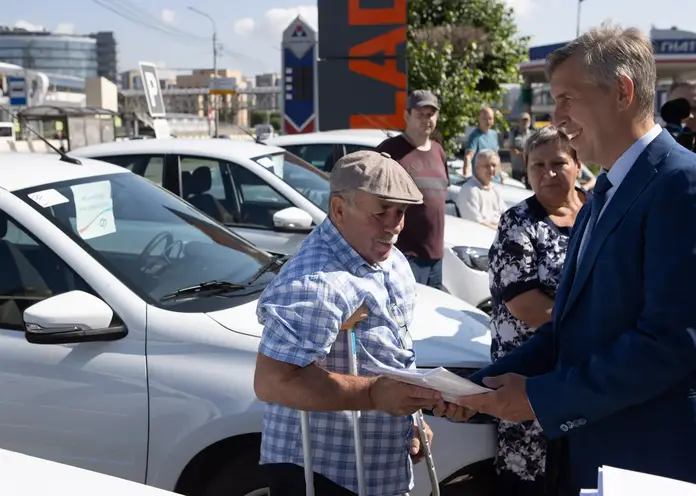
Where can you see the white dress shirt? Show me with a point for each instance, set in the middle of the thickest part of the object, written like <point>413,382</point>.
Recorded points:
<point>620,170</point>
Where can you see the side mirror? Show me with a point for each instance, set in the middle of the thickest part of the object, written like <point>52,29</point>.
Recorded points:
<point>72,317</point>
<point>292,219</point>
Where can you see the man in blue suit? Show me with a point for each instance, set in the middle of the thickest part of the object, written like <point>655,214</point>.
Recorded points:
<point>612,378</point>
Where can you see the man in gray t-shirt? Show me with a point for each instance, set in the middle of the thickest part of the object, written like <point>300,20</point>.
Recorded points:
<point>518,137</point>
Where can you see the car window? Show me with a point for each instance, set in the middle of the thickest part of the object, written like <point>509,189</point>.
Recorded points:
<point>310,182</point>
<point>151,167</point>
<point>358,148</point>
<point>258,200</point>
<point>206,185</point>
<point>30,272</point>
<point>151,240</point>
<point>319,155</point>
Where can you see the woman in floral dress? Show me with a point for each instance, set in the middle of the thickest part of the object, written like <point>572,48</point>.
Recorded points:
<point>526,260</point>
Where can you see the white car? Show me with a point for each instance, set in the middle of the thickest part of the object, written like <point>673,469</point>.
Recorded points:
<point>322,149</point>
<point>23,475</point>
<point>274,199</point>
<point>128,334</point>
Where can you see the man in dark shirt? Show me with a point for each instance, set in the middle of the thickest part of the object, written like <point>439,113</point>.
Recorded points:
<point>422,240</point>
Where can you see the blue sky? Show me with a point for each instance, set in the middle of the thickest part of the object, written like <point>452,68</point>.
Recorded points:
<point>250,29</point>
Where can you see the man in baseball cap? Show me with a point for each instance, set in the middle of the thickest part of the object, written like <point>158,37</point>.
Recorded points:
<point>347,261</point>
<point>423,238</point>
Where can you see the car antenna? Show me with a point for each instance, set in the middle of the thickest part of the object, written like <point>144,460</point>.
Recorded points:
<point>64,157</point>
<point>255,138</point>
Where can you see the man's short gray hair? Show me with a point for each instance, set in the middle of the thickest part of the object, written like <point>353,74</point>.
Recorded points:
<point>548,135</point>
<point>607,53</point>
<point>486,156</point>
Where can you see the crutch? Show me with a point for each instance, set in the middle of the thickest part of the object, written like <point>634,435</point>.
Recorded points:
<point>348,325</point>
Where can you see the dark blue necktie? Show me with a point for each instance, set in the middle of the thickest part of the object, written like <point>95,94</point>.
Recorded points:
<point>599,198</point>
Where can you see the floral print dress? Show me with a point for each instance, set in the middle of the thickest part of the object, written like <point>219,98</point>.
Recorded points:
<point>528,253</point>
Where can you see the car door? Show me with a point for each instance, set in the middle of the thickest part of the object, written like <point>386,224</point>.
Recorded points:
<point>81,404</point>
<point>238,198</point>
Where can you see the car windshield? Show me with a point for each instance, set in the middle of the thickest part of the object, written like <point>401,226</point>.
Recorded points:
<point>154,242</point>
<point>310,182</point>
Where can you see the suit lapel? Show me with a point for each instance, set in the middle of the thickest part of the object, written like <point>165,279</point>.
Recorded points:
<point>570,264</point>
<point>640,175</point>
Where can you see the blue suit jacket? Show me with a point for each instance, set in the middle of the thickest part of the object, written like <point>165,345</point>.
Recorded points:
<point>615,371</point>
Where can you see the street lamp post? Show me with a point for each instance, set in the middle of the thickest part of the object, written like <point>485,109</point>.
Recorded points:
<point>577,27</point>
<point>213,98</point>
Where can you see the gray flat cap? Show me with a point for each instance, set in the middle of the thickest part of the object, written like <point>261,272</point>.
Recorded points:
<point>376,174</point>
<point>422,98</point>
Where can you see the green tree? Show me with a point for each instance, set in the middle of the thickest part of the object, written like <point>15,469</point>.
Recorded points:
<point>462,50</point>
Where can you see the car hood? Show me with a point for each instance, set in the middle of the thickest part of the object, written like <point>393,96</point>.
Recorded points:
<point>23,475</point>
<point>462,232</point>
<point>446,331</point>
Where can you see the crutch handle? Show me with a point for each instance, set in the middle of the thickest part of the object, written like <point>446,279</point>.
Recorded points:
<point>358,316</point>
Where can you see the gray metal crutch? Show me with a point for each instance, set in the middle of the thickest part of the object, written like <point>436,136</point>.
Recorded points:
<point>348,325</point>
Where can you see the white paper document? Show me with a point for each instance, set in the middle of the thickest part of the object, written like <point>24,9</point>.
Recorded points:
<point>94,209</point>
<point>449,384</point>
<point>619,482</point>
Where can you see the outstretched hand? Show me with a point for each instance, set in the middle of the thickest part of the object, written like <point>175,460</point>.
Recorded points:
<point>508,402</point>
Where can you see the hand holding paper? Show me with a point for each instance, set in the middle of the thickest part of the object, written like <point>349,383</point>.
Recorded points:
<point>450,385</point>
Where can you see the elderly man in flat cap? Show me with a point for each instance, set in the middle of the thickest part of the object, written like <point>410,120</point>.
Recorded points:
<point>348,260</point>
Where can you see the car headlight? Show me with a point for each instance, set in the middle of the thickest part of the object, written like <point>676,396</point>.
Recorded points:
<point>475,258</point>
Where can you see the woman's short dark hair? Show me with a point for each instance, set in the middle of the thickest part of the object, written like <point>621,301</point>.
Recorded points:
<point>547,135</point>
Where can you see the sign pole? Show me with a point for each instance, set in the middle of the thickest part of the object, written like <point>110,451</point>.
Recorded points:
<point>300,80</point>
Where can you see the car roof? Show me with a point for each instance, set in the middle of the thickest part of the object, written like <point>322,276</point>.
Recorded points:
<point>364,137</point>
<point>28,170</point>
<point>223,148</point>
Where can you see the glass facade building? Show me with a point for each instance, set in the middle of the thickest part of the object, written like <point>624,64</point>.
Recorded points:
<point>65,55</point>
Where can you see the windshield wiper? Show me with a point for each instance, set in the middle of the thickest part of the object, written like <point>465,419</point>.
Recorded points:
<point>275,260</point>
<point>209,287</point>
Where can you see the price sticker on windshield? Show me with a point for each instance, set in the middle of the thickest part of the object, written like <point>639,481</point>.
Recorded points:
<point>48,198</point>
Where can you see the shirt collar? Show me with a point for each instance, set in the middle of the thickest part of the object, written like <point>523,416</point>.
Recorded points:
<point>620,169</point>
<point>346,254</point>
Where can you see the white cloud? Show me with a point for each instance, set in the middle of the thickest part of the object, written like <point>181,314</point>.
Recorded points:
<point>276,20</point>
<point>21,24</point>
<point>65,28</point>
<point>244,27</point>
<point>168,16</point>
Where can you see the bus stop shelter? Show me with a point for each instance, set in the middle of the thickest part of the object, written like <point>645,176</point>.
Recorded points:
<point>75,126</point>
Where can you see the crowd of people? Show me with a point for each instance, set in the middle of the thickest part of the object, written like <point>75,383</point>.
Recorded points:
<point>593,334</point>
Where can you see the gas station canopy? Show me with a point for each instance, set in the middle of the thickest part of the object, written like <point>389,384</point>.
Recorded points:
<point>673,57</point>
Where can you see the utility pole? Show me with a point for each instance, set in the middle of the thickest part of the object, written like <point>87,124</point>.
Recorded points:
<point>213,98</point>
<point>577,27</point>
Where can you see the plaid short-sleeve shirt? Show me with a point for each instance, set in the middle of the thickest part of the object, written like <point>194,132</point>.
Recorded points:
<point>301,311</point>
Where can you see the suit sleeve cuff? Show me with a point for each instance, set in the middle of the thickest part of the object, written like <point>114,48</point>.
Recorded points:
<point>545,405</point>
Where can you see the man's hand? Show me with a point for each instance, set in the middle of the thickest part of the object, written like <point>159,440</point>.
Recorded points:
<point>453,412</point>
<point>400,399</point>
<point>508,402</point>
<point>417,453</point>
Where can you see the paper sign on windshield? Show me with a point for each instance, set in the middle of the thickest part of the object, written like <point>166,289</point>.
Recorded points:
<point>48,198</point>
<point>94,209</point>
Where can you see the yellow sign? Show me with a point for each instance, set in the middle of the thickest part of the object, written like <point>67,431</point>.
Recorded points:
<point>223,92</point>
<point>59,126</point>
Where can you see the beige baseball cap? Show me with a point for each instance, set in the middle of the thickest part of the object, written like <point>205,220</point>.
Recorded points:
<point>376,174</point>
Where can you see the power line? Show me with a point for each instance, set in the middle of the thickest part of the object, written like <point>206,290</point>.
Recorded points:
<point>139,16</point>
<point>138,11</point>
<point>156,26</point>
